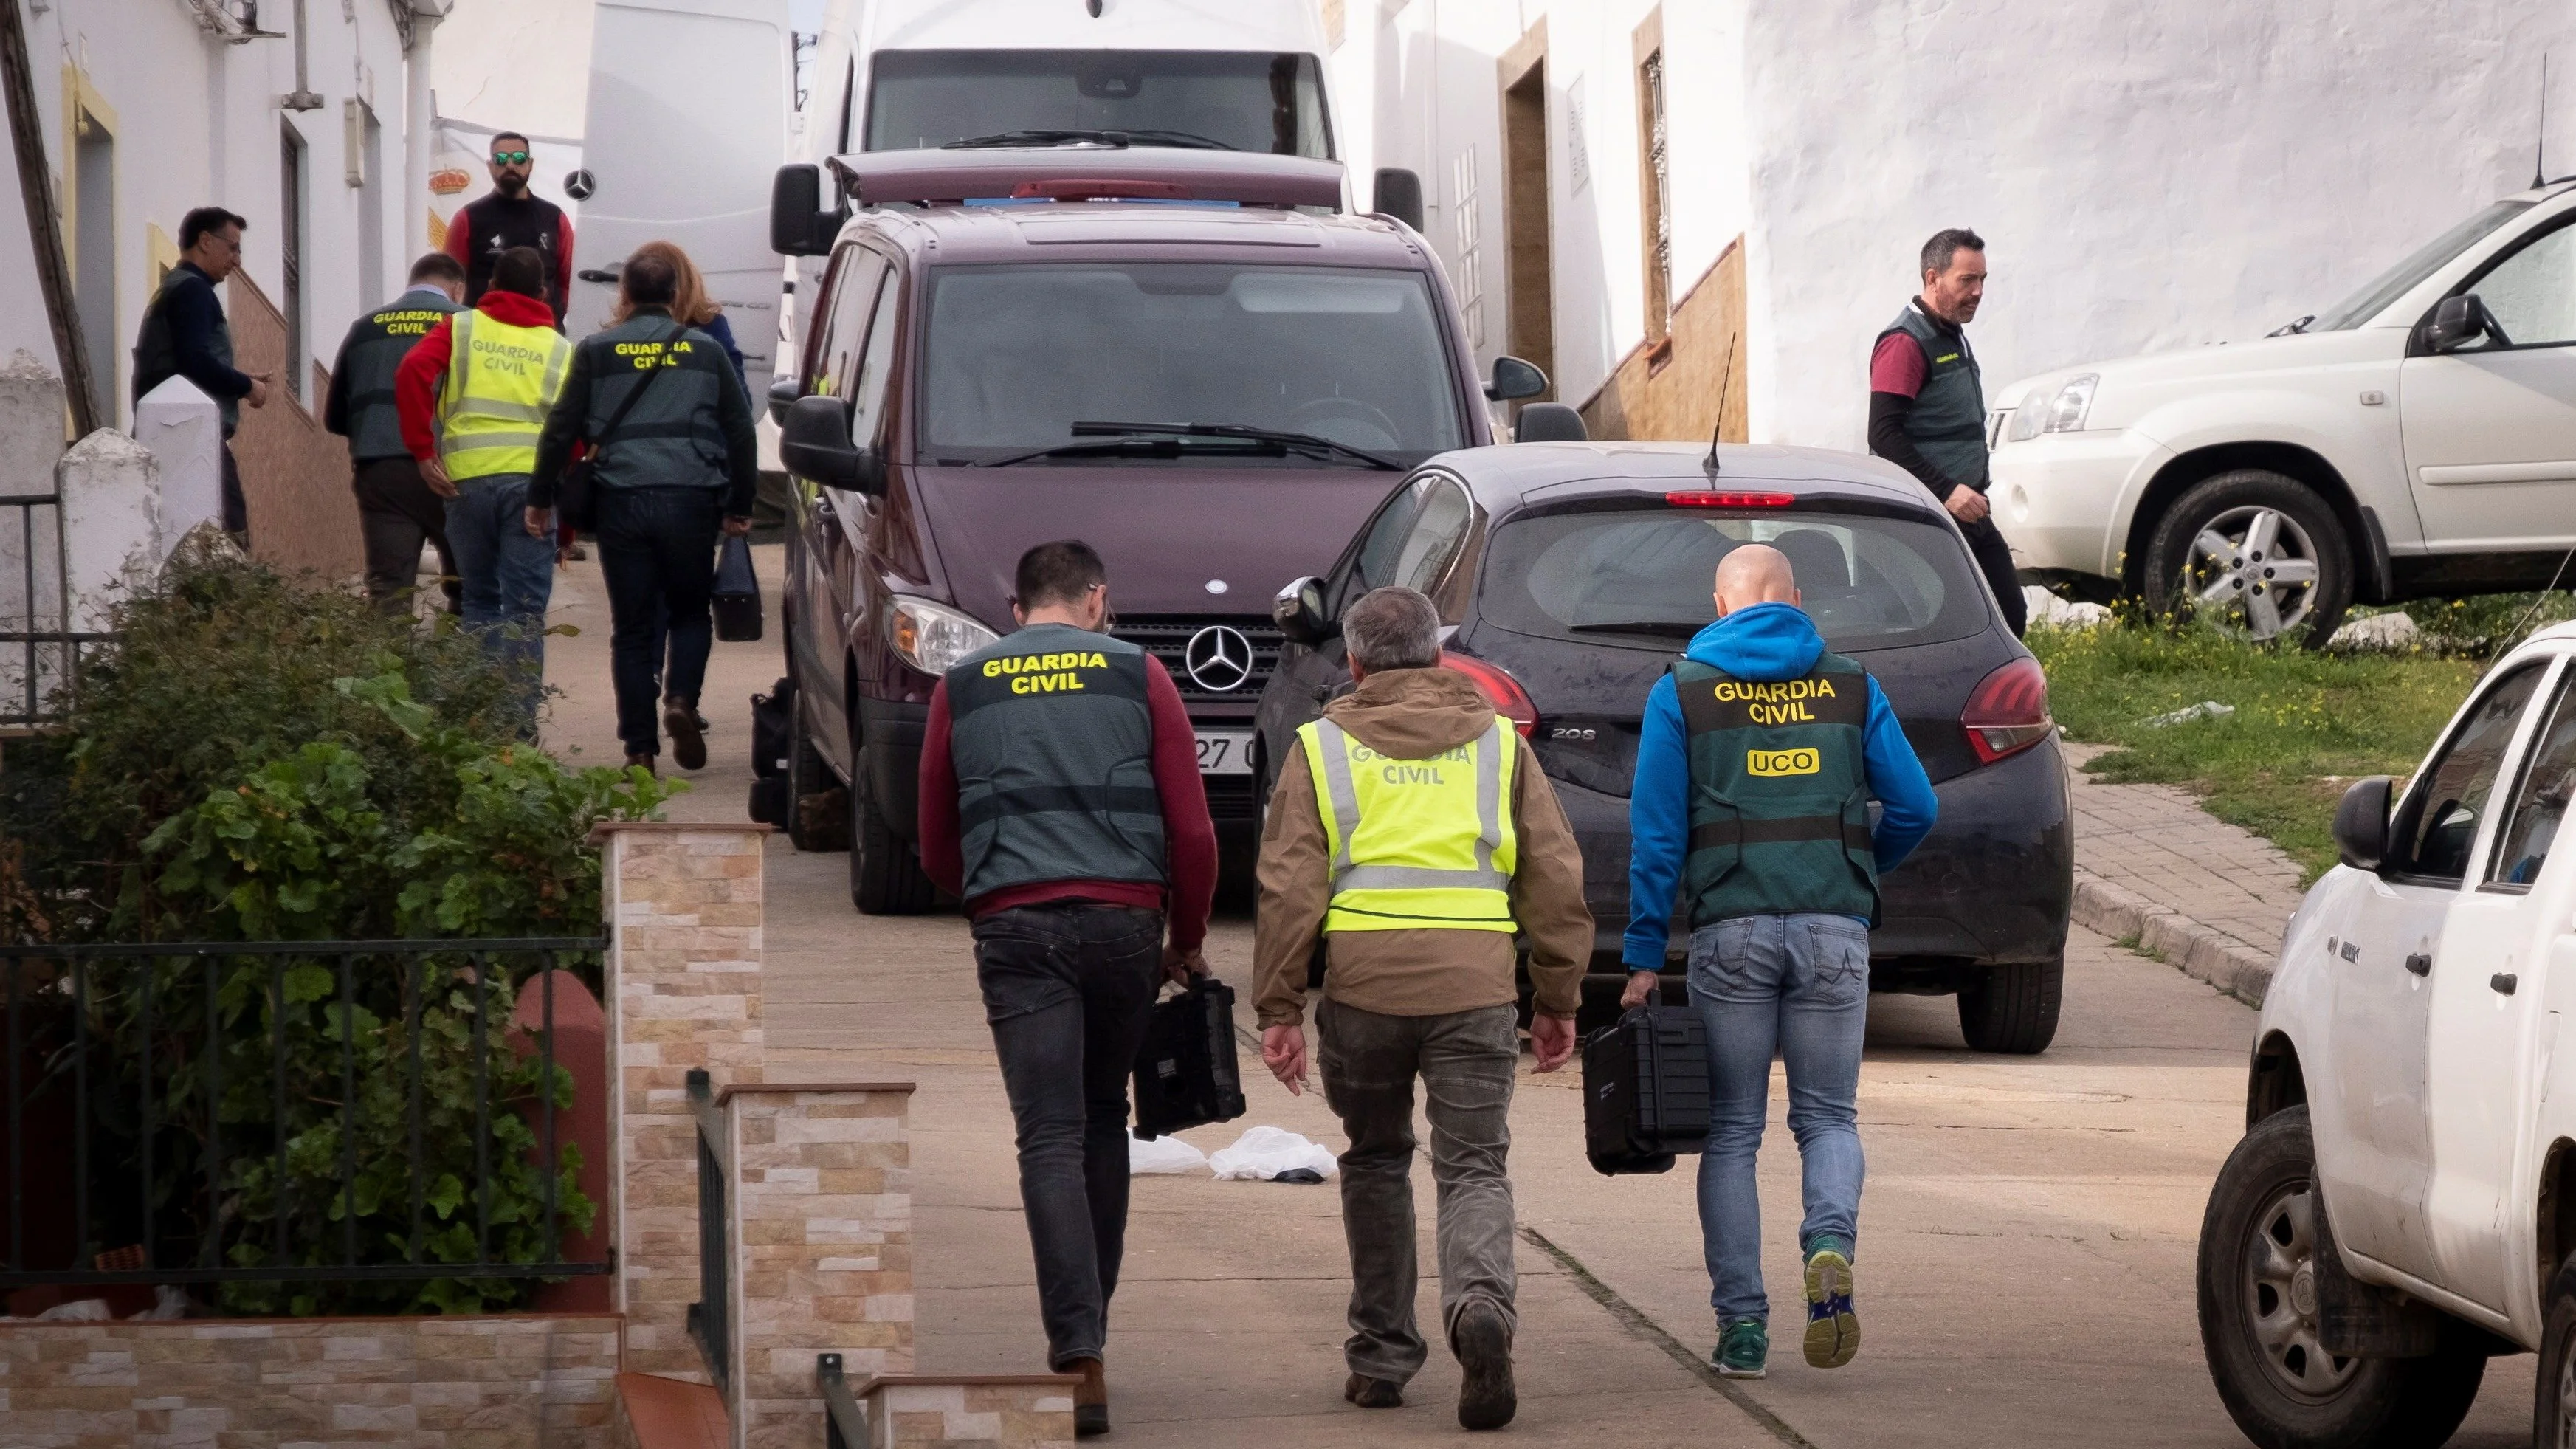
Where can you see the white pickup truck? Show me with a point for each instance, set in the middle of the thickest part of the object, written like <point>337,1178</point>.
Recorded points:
<point>2416,439</point>
<point>2403,1204</point>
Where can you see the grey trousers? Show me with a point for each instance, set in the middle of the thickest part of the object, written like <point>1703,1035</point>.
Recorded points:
<point>1465,1061</point>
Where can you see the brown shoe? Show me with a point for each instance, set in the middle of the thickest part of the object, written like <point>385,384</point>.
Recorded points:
<point>1371,1393</point>
<point>633,759</point>
<point>687,729</point>
<point>1090,1398</point>
<point>1483,1343</point>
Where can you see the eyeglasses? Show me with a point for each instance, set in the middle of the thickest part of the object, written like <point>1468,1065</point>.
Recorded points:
<point>509,158</point>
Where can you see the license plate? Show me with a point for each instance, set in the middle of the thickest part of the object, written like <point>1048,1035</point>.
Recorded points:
<point>1225,752</point>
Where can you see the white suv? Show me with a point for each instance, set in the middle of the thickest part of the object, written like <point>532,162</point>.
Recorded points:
<point>2403,1204</point>
<point>2418,438</point>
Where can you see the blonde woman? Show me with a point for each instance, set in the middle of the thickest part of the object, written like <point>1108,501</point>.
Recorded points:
<point>691,306</point>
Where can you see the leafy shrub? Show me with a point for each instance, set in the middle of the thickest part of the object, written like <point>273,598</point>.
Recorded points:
<point>251,760</point>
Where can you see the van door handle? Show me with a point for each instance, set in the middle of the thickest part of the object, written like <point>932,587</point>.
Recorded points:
<point>2420,963</point>
<point>2503,982</point>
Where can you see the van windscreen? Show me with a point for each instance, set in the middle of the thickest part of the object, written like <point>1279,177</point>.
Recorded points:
<point>1233,100</point>
<point>1642,576</point>
<point>1016,355</point>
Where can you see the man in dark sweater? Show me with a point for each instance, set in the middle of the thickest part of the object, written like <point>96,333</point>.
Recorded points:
<point>1060,798</point>
<point>185,335</point>
<point>1927,404</point>
<point>512,216</point>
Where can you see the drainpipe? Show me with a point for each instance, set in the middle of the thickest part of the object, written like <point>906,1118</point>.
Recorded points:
<point>303,97</point>
<point>418,120</point>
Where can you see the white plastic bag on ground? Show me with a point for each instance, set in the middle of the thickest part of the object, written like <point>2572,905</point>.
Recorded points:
<point>1163,1154</point>
<point>1263,1153</point>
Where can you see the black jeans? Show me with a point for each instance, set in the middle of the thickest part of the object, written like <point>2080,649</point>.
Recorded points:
<point>657,550</point>
<point>1067,987</point>
<point>236,504</point>
<point>1994,560</point>
<point>396,514</point>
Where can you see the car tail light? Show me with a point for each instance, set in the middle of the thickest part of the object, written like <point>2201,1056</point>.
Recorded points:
<point>1731,500</point>
<point>1503,691</point>
<point>2008,712</point>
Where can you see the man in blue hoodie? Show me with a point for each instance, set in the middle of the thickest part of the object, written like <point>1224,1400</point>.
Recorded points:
<point>1760,756</point>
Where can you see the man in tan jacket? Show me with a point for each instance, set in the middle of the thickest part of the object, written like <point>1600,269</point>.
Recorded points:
<point>1385,839</point>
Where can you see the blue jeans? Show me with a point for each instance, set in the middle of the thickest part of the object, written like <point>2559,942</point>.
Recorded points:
<point>506,578</point>
<point>1799,985</point>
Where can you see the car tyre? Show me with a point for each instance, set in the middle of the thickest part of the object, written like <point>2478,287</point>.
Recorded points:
<point>2257,1242</point>
<point>2553,1415</point>
<point>818,809</point>
<point>2302,524</point>
<point>886,878</point>
<point>2013,1009</point>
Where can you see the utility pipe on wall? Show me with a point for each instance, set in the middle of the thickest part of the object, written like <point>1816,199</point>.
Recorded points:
<point>418,119</point>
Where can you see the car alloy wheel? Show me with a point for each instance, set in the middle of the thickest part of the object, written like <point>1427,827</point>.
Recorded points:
<point>2280,1285</point>
<point>2252,570</point>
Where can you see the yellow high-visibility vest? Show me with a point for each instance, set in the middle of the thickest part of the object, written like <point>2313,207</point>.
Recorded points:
<point>1417,844</point>
<point>501,380</point>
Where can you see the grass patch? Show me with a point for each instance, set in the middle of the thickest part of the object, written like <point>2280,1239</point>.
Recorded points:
<point>2305,724</point>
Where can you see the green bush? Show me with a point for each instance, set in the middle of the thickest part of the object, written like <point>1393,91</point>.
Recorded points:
<point>252,760</point>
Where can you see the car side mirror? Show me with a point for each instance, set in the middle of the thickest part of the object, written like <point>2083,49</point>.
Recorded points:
<point>1398,193</point>
<point>814,443</point>
<point>1550,422</point>
<point>1299,613</point>
<point>2457,322</point>
<point>2361,823</point>
<point>783,393</point>
<point>798,224</point>
<point>1514,379</point>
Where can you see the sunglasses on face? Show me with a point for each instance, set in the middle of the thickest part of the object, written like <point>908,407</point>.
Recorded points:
<point>509,158</point>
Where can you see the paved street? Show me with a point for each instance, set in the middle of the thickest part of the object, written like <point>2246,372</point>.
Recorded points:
<point>2027,1239</point>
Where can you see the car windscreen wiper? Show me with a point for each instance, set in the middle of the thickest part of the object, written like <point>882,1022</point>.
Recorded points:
<point>1675,628</point>
<point>1307,443</point>
<point>1144,443</point>
<point>1149,136</point>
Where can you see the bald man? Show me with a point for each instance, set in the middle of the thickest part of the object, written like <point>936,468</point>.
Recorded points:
<point>1760,756</point>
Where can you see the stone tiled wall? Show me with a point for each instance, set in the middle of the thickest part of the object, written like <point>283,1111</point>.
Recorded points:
<point>683,905</point>
<point>822,1242</point>
<point>1032,1411</point>
<point>426,1383</point>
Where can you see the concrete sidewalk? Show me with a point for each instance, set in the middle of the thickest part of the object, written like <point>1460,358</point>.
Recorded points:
<point>2153,867</point>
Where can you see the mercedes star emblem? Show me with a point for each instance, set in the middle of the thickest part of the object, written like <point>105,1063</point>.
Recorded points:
<point>1218,658</point>
<point>580,185</point>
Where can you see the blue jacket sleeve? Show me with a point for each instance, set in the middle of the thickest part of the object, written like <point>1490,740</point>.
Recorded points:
<point>1658,829</point>
<point>1908,806</point>
<point>722,331</point>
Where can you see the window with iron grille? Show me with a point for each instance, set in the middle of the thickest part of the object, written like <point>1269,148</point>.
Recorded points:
<point>1471,277</point>
<point>290,246</point>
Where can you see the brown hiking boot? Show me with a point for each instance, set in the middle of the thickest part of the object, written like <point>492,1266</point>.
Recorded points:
<point>1371,1393</point>
<point>1090,1398</point>
<point>687,729</point>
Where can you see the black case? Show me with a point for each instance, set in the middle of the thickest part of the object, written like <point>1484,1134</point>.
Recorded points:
<point>1645,1090</point>
<point>1186,1075</point>
<point>735,595</point>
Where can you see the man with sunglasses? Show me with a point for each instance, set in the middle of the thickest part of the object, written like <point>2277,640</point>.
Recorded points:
<point>185,335</point>
<point>511,215</point>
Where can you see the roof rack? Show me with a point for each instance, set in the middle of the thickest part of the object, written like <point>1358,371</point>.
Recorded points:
<point>1060,173</point>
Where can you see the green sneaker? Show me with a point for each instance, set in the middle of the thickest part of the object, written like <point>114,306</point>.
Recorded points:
<point>1833,1329</point>
<point>1743,1346</point>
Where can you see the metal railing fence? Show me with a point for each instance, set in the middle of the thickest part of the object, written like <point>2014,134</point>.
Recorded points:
<point>710,1319</point>
<point>845,1419</point>
<point>39,667</point>
<point>286,1112</point>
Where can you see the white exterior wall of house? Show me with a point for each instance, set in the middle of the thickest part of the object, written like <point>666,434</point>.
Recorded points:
<point>2146,179</point>
<point>196,121</point>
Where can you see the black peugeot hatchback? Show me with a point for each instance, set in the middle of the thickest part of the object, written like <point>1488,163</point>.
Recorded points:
<point>1571,575</point>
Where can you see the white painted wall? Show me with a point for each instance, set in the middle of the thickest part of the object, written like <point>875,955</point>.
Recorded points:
<point>2147,178</point>
<point>198,122</point>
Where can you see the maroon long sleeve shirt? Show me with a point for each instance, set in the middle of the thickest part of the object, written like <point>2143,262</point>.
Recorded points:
<point>1189,839</point>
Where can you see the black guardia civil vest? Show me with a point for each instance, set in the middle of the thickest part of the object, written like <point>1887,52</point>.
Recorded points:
<point>1054,747</point>
<point>497,223</point>
<point>375,349</point>
<point>1779,775</point>
<point>674,436</point>
<point>1948,421</point>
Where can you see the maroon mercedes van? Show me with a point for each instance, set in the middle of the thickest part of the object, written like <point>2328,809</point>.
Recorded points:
<point>1191,359</point>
